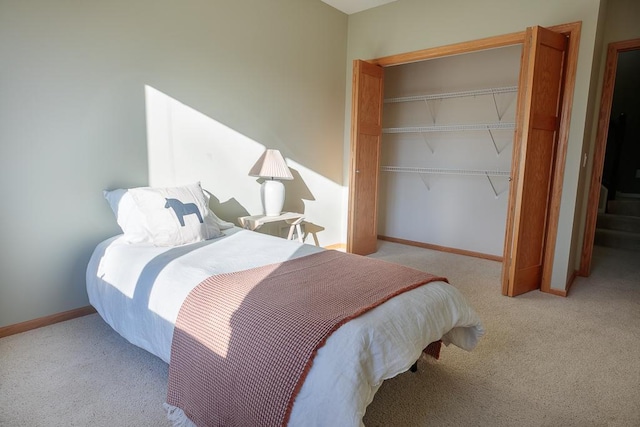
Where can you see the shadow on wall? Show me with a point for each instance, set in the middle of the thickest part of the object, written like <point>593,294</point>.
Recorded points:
<point>296,192</point>
<point>232,209</point>
<point>229,210</point>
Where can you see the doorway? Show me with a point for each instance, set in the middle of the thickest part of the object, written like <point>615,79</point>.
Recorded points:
<point>611,178</point>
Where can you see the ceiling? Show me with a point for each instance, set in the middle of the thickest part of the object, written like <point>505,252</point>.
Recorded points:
<point>354,6</point>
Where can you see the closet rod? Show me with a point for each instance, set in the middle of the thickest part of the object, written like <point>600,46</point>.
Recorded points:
<point>448,128</point>
<point>445,171</point>
<point>488,91</point>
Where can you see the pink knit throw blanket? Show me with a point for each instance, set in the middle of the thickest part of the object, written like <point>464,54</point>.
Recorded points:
<point>244,342</point>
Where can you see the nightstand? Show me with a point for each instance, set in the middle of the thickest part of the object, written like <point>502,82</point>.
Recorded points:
<point>253,222</point>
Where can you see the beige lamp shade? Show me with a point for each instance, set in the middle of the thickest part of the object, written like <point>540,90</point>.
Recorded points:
<point>271,165</point>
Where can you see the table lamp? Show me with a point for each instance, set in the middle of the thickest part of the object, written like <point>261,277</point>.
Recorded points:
<point>272,167</point>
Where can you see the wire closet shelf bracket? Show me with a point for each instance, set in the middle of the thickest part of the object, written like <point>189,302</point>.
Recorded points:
<point>440,171</point>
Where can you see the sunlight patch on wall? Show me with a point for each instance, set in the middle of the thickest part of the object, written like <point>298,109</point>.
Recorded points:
<point>186,146</point>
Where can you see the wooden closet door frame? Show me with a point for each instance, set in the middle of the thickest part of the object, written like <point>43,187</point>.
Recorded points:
<point>572,31</point>
<point>606,101</point>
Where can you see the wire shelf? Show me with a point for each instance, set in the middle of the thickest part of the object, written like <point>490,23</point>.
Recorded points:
<point>446,95</point>
<point>450,128</point>
<point>445,171</point>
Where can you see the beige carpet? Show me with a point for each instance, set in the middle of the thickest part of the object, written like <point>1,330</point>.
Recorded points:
<point>545,361</point>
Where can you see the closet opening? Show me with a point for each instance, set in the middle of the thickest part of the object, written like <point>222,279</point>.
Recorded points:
<point>446,149</point>
<point>417,144</point>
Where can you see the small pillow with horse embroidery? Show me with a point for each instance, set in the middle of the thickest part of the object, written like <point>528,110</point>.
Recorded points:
<point>176,215</point>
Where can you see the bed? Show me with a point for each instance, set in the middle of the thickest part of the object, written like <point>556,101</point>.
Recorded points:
<point>138,288</point>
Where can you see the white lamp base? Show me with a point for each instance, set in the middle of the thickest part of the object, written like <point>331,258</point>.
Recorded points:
<point>272,194</point>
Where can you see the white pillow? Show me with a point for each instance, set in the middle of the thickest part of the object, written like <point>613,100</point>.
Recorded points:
<point>128,216</point>
<point>176,215</point>
<point>141,215</point>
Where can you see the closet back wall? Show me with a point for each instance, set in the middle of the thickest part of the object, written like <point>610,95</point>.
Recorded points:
<point>433,188</point>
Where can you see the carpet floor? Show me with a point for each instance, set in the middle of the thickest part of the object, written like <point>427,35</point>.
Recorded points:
<point>545,360</point>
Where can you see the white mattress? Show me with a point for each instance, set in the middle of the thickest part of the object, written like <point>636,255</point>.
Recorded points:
<point>138,290</point>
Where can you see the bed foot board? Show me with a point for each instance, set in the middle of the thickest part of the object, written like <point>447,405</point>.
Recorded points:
<point>432,350</point>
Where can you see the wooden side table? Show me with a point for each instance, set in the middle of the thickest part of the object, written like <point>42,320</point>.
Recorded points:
<point>253,222</point>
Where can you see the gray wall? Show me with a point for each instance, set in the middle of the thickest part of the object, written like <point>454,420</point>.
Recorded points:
<point>73,118</point>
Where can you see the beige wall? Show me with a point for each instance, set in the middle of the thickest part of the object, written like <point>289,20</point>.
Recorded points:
<point>74,81</point>
<point>408,25</point>
<point>622,21</point>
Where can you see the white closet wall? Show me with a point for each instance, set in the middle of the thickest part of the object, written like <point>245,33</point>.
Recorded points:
<point>446,159</point>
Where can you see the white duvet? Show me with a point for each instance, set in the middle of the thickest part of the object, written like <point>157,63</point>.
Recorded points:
<point>138,290</point>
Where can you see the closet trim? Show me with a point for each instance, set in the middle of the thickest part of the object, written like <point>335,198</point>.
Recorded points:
<point>451,49</point>
<point>442,248</point>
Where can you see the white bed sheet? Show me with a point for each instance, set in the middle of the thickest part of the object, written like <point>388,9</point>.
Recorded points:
<point>138,290</point>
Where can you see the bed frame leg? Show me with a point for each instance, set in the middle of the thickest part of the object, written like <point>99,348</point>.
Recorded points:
<point>432,350</point>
